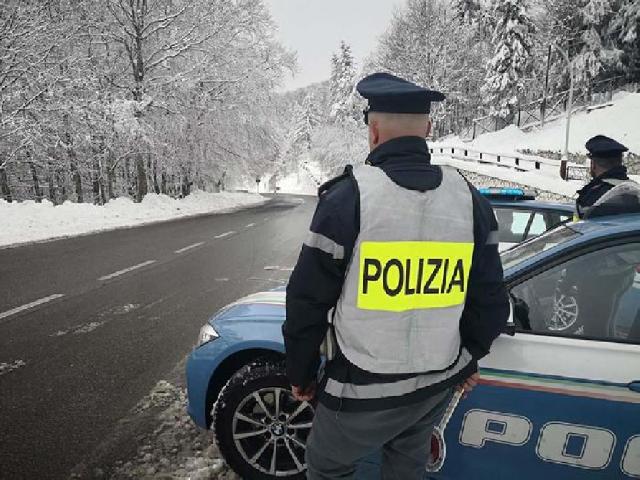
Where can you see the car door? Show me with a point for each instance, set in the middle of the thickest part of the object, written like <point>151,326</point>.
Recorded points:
<point>561,398</point>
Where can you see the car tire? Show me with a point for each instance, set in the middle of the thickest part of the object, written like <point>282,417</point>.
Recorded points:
<point>249,424</point>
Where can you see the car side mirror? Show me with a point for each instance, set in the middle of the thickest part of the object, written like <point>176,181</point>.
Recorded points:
<point>510,327</point>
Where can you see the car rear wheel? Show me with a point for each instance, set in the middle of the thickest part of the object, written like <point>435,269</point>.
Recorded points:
<point>261,430</point>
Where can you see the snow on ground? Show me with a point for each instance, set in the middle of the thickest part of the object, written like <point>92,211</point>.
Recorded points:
<point>29,221</point>
<point>10,367</point>
<point>304,181</point>
<point>298,183</point>
<point>619,121</point>
<point>176,449</point>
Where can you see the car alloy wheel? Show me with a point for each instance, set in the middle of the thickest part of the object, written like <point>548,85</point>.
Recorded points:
<point>266,428</point>
<point>565,313</point>
<point>260,429</point>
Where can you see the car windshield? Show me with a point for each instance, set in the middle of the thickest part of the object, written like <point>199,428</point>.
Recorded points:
<point>526,250</point>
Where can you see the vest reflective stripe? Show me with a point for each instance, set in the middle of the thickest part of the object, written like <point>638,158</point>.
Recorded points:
<point>395,389</point>
<point>319,241</point>
<point>493,238</point>
<point>405,287</point>
<point>621,187</point>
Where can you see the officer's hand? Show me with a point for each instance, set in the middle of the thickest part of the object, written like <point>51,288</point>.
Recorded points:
<point>305,395</point>
<point>469,384</point>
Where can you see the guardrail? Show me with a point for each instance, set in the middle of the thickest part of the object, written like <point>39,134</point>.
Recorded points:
<point>522,162</point>
<point>519,162</point>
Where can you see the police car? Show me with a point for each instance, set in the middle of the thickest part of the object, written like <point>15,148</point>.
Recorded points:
<point>521,217</point>
<point>560,391</point>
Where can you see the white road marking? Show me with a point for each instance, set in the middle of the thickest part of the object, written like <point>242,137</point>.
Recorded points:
<point>126,270</point>
<point>250,225</point>
<point>28,306</point>
<point>225,234</point>
<point>274,280</point>
<point>195,245</point>
<point>280,269</point>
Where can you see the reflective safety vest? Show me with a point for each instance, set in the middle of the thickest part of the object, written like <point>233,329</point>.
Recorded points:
<point>405,287</point>
<point>620,188</point>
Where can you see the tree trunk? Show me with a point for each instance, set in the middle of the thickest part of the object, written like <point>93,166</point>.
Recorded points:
<point>141,178</point>
<point>156,187</point>
<point>76,178</point>
<point>73,161</point>
<point>36,181</point>
<point>163,182</point>
<point>95,182</point>
<point>4,185</point>
<point>110,174</point>
<point>51,182</point>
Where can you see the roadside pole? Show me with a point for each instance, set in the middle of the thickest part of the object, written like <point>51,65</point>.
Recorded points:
<point>565,153</point>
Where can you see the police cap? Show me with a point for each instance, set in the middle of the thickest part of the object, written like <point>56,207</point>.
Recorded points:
<point>391,94</point>
<point>601,146</point>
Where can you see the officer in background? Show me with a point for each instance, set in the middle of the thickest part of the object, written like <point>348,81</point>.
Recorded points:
<point>402,260</point>
<point>610,192</point>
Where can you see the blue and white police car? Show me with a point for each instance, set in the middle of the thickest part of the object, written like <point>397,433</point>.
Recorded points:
<point>521,217</point>
<point>560,391</point>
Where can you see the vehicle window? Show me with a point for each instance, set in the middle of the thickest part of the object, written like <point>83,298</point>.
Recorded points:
<point>536,226</point>
<point>596,295</point>
<point>518,225</point>
<point>547,240</point>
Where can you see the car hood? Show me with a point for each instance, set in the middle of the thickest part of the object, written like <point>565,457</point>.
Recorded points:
<point>256,308</point>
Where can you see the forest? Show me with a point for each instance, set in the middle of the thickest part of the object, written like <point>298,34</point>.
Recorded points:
<point>125,97</point>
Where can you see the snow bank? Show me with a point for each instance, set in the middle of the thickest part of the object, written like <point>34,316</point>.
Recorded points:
<point>619,120</point>
<point>177,448</point>
<point>29,221</point>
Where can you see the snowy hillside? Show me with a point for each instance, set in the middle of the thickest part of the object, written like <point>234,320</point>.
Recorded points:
<point>618,119</point>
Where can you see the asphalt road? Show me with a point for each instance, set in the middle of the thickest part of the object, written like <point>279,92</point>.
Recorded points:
<point>119,311</point>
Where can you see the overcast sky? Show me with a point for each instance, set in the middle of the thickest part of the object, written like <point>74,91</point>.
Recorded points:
<point>314,28</point>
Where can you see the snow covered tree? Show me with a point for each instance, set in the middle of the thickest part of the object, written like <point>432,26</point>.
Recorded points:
<point>342,84</point>
<point>625,29</point>
<point>512,57</point>
<point>101,99</point>
<point>596,52</point>
<point>467,10</point>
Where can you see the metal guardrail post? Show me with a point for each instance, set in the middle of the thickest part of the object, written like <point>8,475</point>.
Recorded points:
<point>480,155</point>
<point>498,158</point>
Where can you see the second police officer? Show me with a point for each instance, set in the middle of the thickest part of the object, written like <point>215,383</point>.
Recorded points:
<point>402,260</point>
<point>610,192</point>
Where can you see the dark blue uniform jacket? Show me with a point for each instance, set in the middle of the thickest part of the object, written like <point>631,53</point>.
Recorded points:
<point>317,279</point>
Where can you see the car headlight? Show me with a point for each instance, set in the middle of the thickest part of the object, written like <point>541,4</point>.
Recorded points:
<point>207,334</point>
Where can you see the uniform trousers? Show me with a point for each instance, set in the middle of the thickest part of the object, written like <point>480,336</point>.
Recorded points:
<point>339,440</point>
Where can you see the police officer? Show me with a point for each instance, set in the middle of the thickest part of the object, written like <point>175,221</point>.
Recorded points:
<point>401,265</point>
<point>610,191</point>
